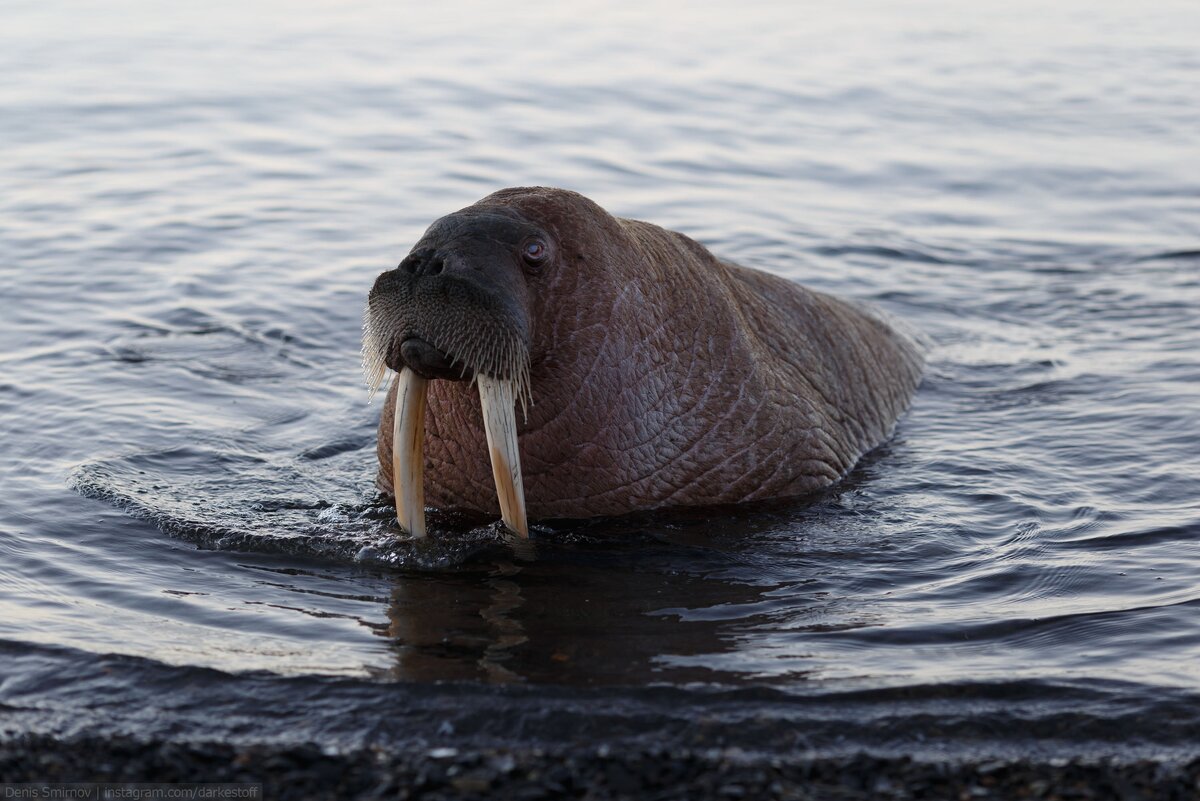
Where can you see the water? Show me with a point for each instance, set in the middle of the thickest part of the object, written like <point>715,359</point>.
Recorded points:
<point>196,200</point>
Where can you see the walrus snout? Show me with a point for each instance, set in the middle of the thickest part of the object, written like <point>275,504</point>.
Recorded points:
<point>457,305</point>
<point>428,362</point>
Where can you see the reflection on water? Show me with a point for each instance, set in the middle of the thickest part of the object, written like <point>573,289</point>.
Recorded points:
<point>546,621</point>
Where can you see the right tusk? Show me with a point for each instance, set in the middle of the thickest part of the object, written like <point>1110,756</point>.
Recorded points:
<point>497,398</point>
<point>408,458</point>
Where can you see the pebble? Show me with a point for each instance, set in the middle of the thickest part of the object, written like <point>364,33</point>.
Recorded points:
<point>308,773</point>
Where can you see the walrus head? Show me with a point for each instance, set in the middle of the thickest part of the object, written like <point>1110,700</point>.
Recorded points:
<point>459,308</point>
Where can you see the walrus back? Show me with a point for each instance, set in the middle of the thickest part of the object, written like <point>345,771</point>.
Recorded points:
<point>848,359</point>
<point>831,377</point>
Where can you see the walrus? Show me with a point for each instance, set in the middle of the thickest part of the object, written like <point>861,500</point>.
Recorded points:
<point>619,367</point>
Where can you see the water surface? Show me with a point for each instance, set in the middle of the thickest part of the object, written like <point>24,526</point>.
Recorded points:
<point>196,200</point>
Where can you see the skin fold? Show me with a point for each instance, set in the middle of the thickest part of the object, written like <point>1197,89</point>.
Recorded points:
<point>660,375</point>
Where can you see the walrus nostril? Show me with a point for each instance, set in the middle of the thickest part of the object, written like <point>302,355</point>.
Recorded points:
<point>409,265</point>
<point>423,262</point>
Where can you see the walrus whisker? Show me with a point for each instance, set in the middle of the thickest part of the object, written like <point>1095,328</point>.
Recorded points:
<point>496,398</point>
<point>408,457</point>
<point>375,369</point>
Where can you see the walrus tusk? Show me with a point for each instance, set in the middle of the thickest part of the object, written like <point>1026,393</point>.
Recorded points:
<point>497,397</point>
<point>408,458</point>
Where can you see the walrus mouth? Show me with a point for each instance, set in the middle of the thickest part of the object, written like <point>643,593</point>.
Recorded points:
<point>429,362</point>
<point>497,398</point>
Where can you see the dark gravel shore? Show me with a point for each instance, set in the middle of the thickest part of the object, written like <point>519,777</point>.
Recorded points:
<point>598,773</point>
<point>124,719</point>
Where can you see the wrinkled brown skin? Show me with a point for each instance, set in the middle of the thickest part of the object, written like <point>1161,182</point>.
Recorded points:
<point>663,376</point>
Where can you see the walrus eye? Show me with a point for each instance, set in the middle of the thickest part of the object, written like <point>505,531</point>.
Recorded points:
<point>534,251</point>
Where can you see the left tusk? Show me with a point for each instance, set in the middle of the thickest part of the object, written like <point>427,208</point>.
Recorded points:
<point>497,398</point>
<point>408,446</point>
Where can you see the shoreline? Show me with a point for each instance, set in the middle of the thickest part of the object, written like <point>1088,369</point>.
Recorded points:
<point>597,772</point>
